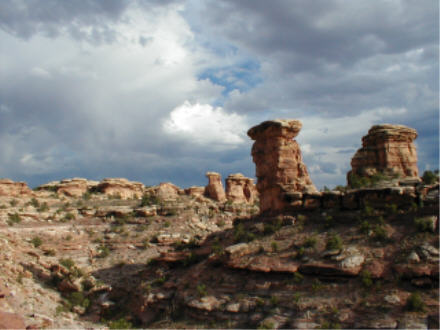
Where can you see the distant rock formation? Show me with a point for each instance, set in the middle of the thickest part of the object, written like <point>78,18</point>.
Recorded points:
<point>167,191</point>
<point>14,189</point>
<point>214,189</point>
<point>240,189</point>
<point>120,187</point>
<point>195,191</point>
<point>388,150</point>
<point>75,187</point>
<point>279,166</point>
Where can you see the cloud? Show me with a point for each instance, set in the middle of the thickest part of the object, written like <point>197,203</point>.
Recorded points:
<point>206,125</point>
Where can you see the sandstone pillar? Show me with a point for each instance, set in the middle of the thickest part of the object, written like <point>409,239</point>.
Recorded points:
<point>240,189</point>
<point>388,150</point>
<point>279,166</point>
<point>214,189</point>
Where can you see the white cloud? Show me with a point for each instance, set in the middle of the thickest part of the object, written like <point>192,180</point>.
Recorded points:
<point>206,125</point>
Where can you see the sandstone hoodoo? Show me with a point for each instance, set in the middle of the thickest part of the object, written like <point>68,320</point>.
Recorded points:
<point>386,150</point>
<point>214,189</point>
<point>280,170</point>
<point>240,189</point>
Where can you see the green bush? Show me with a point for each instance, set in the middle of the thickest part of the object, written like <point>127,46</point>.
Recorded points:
<point>34,202</point>
<point>274,246</point>
<point>120,324</point>
<point>43,207</point>
<point>297,277</point>
<point>365,227</point>
<point>36,241</point>
<point>310,242</point>
<point>13,219</point>
<point>366,279</point>
<point>380,233</point>
<point>201,290</point>
<point>424,224</point>
<point>148,200</point>
<point>103,251</point>
<point>429,177</point>
<point>334,242</point>
<point>68,263</point>
<point>415,303</point>
<point>78,299</point>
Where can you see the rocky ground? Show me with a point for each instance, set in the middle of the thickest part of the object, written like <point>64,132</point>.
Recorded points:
<point>101,261</point>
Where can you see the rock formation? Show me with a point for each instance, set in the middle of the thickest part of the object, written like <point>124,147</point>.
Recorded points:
<point>386,149</point>
<point>75,187</point>
<point>168,191</point>
<point>14,189</point>
<point>121,187</point>
<point>214,189</point>
<point>240,189</point>
<point>279,166</point>
<point>195,191</point>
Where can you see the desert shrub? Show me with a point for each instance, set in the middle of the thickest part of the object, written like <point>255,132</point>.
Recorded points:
<point>78,299</point>
<point>380,233</point>
<point>201,290</point>
<point>241,235</point>
<point>423,224</point>
<point>68,216</point>
<point>13,202</point>
<point>334,242</point>
<point>103,251</point>
<point>415,303</point>
<point>300,252</point>
<point>221,223</point>
<point>87,195</point>
<point>266,325</point>
<point>148,200</point>
<point>274,246</point>
<point>167,224</point>
<point>366,279</point>
<point>13,219</point>
<point>330,325</point>
<point>310,242</point>
<point>34,202</point>
<point>36,241</point>
<point>43,207</point>
<point>67,262</point>
<point>392,208</point>
<point>297,277</point>
<point>120,324</point>
<point>274,300</point>
<point>368,210</point>
<point>429,177</point>
<point>317,285</point>
<point>365,227</point>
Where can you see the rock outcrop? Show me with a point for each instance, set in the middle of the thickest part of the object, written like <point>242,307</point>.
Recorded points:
<point>13,189</point>
<point>214,189</point>
<point>75,187</point>
<point>387,150</point>
<point>279,166</point>
<point>167,191</point>
<point>120,187</point>
<point>240,189</point>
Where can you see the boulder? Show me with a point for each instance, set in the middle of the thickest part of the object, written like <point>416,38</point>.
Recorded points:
<point>279,165</point>
<point>11,321</point>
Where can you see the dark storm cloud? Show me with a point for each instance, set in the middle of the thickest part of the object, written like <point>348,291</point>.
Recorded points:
<point>90,20</point>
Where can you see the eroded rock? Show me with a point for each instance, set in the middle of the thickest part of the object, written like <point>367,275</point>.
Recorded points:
<point>214,189</point>
<point>280,169</point>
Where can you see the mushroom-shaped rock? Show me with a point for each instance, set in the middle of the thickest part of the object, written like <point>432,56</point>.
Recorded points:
<point>240,189</point>
<point>386,149</point>
<point>14,189</point>
<point>279,166</point>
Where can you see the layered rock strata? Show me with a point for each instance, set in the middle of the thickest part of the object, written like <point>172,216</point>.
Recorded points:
<point>14,189</point>
<point>280,170</point>
<point>240,189</point>
<point>75,187</point>
<point>214,189</point>
<point>386,149</point>
<point>120,187</point>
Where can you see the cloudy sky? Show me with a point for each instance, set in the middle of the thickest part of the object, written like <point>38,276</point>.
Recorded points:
<point>160,90</point>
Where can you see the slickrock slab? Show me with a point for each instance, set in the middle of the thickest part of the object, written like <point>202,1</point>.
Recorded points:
<point>386,149</point>
<point>280,169</point>
<point>11,321</point>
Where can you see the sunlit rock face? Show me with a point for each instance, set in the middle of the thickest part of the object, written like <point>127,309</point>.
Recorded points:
<point>240,189</point>
<point>14,189</point>
<point>214,189</point>
<point>386,149</point>
<point>121,187</point>
<point>279,166</point>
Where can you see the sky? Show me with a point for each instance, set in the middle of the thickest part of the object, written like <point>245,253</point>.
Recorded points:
<point>164,91</point>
